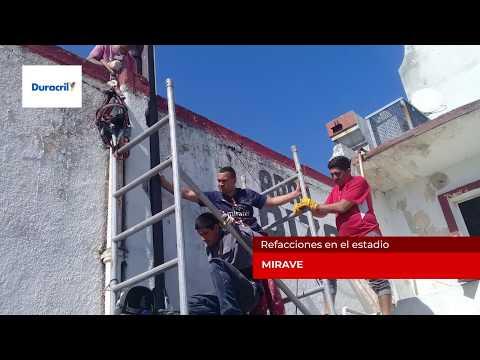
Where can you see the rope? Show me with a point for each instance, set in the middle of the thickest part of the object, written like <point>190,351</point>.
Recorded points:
<point>112,122</point>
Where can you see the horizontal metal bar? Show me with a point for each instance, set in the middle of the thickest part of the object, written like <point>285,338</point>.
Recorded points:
<point>280,184</point>
<point>145,275</point>
<point>144,135</point>
<point>143,178</point>
<point>308,293</point>
<point>291,296</point>
<point>281,221</point>
<point>147,222</point>
<point>346,310</point>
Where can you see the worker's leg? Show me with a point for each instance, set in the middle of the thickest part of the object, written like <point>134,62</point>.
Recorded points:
<point>274,298</point>
<point>203,304</point>
<point>382,288</point>
<point>236,294</point>
<point>333,292</point>
<point>263,304</point>
<point>384,292</point>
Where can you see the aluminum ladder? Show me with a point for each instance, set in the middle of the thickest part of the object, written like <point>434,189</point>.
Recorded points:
<point>115,198</point>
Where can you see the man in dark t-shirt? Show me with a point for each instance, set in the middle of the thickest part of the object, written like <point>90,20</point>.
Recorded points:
<point>235,202</point>
<point>238,205</point>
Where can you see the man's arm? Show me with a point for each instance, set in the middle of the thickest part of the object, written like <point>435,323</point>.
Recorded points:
<point>102,62</point>
<point>338,207</point>
<point>96,57</point>
<point>321,210</point>
<point>356,194</point>
<point>283,199</point>
<point>187,194</point>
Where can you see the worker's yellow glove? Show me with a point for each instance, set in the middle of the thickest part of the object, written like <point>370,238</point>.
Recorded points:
<point>305,203</point>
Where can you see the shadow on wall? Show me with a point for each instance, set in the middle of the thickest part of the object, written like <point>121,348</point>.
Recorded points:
<point>412,306</point>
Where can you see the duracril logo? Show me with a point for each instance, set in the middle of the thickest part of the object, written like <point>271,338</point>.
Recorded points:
<point>52,86</point>
<point>47,87</point>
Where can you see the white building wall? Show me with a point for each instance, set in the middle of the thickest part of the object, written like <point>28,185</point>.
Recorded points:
<point>53,199</point>
<point>414,210</point>
<point>452,70</point>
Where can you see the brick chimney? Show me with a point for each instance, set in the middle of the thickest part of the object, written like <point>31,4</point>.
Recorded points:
<point>346,130</point>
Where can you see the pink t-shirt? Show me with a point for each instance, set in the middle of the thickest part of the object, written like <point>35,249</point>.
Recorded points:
<point>360,219</point>
<point>106,52</point>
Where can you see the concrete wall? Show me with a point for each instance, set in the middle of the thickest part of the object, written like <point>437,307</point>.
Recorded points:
<point>52,199</point>
<point>452,70</point>
<point>412,207</point>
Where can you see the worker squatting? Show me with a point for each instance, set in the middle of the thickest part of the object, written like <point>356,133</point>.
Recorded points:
<point>347,244</point>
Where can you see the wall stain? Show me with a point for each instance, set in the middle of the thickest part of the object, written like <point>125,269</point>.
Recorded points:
<point>430,193</point>
<point>439,180</point>
<point>419,223</point>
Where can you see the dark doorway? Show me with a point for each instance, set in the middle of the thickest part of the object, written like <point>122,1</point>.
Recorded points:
<point>470,210</point>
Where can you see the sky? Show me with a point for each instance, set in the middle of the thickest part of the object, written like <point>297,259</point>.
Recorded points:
<point>279,95</point>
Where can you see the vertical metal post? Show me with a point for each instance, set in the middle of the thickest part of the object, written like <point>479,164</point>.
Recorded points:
<point>243,181</point>
<point>360,164</point>
<point>113,230</point>
<point>136,51</point>
<point>303,188</point>
<point>364,293</point>
<point>155,189</point>
<point>326,284</point>
<point>144,60</point>
<point>408,118</point>
<point>182,284</point>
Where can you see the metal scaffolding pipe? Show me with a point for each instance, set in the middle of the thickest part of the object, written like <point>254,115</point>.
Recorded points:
<point>143,135</point>
<point>145,275</point>
<point>141,179</point>
<point>142,225</point>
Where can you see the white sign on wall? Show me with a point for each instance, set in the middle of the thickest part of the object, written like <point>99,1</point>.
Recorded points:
<point>52,86</point>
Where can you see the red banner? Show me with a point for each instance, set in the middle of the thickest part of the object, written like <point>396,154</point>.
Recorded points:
<point>366,257</point>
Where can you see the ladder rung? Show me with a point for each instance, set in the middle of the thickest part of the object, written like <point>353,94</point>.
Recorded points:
<point>281,221</point>
<point>145,275</point>
<point>280,184</point>
<point>308,293</point>
<point>144,135</point>
<point>346,310</point>
<point>147,222</point>
<point>292,297</point>
<point>143,178</point>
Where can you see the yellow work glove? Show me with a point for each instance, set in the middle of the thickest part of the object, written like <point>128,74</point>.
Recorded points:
<point>304,204</point>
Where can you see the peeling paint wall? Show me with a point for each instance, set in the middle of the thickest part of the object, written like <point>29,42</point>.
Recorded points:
<point>414,209</point>
<point>53,200</point>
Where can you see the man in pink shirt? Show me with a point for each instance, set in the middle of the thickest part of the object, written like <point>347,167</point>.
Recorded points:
<point>115,58</point>
<point>351,201</point>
